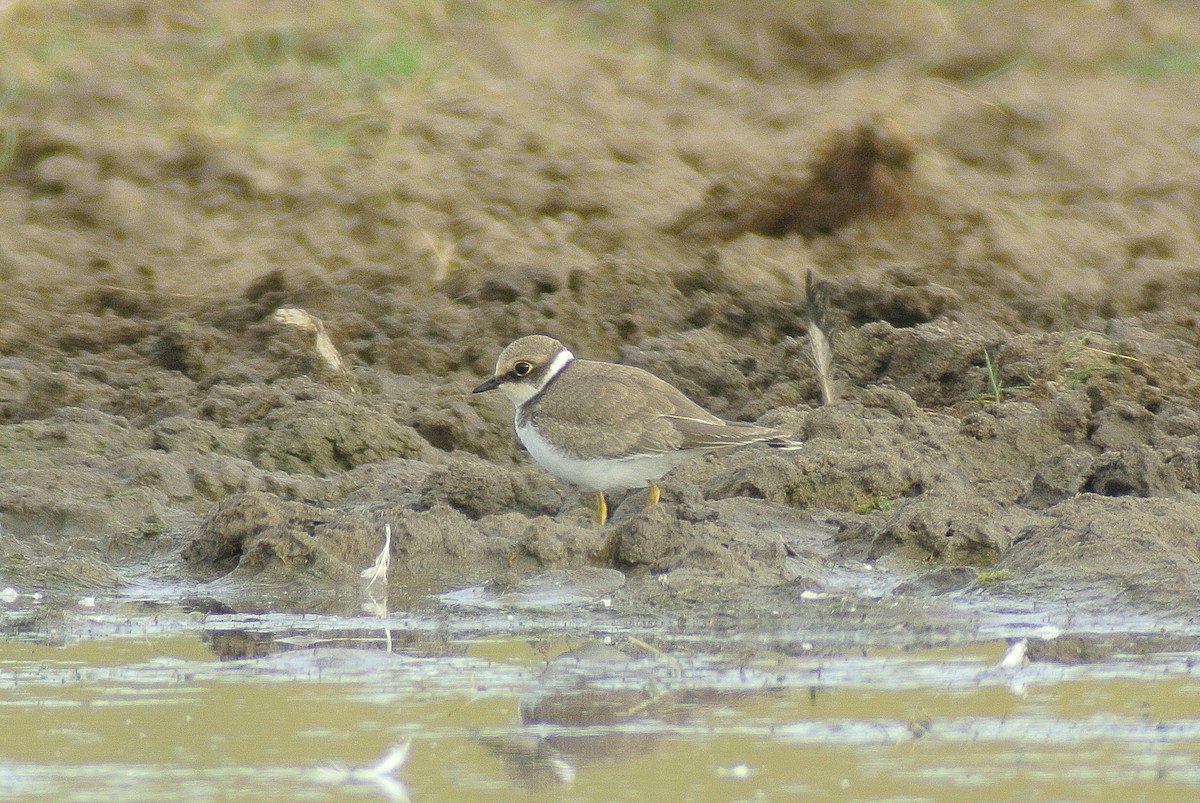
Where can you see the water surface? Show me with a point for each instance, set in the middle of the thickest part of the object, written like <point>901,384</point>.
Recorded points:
<point>144,700</point>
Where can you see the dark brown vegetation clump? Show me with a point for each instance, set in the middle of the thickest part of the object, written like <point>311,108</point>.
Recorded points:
<point>861,172</point>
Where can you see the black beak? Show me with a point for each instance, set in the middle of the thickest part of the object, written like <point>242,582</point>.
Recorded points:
<point>491,383</point>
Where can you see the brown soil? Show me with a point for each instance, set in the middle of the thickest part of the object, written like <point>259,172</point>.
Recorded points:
<point>1003,199</point>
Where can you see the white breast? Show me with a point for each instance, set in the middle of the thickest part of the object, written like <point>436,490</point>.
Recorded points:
<point>611,474</point>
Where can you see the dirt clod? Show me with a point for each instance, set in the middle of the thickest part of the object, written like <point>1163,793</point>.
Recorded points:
<point>859,173</point>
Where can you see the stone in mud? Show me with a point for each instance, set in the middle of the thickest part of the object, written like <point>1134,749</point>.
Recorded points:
<point>183,433</point>
<point>1184,462</point>
<point>934,363</point>
<point>258,538</point>
<point>451,419</point>
<point>941,580</point>
<point>38,392</point>
<point>1135,471</point>
<point>708,370</point>
<point>479,488</point>
<point>441,545</point>
<point>949,524</point>
<point>551,543</point>
<point>905,303</point>
<point>327,436</point>
<point>186,346</point>
<point>260,534</point>
<point>235,396</point>
<point>57,476</point>
<point>724,550</point>
<point>72,435</point>
<point>823,474</point>
<point>1122,425</point>
<point>73,501</point>
<point>394,483</point>
<point>1059,477</point>
<point>1126,552</point>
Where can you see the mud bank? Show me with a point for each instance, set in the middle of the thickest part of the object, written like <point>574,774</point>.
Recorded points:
<point>1014,268</point>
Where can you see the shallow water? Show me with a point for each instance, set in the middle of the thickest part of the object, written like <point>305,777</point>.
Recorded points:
<point>141,700</point>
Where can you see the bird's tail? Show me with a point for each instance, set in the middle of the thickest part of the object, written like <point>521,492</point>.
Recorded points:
<point>783,443</point>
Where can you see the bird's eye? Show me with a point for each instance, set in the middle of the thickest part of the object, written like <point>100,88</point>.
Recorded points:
<point>522,368</point>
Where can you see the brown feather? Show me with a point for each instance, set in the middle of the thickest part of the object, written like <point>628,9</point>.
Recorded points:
<point>629,411</point>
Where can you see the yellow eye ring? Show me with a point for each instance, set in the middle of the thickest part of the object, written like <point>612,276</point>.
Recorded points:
<point>522,368</point>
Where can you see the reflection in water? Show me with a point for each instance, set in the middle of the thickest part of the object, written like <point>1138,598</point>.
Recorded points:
<point>235,645</point>
<point>575,694</point>
<point>242,644</point>
<point>532,761</point>
<point>122,699</point>
<point>381,776</point>
<point>152,782</point>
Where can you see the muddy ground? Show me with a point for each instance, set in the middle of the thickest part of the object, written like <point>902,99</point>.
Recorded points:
<point>1002,199</point>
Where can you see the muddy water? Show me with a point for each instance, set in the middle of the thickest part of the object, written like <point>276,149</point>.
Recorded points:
<point>144,700</point>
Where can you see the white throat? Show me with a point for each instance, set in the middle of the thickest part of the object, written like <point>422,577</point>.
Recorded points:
<point>521,392</point>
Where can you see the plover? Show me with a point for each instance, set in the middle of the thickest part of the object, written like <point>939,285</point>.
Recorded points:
<point>608,427</point>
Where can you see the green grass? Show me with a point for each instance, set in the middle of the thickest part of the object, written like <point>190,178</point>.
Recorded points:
<point>398,57</point>
<point>992,576</point>
<point>1080,360</point>
<point>329,76</point>
<point>1166,59</point>
<point>151,527</point>
<point>241,71</point>
<point>1080,356</point>
<point>878,503</point>
<point>995,382</point>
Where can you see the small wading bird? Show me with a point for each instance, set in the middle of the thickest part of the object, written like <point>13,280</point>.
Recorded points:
<point>608,427</point>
